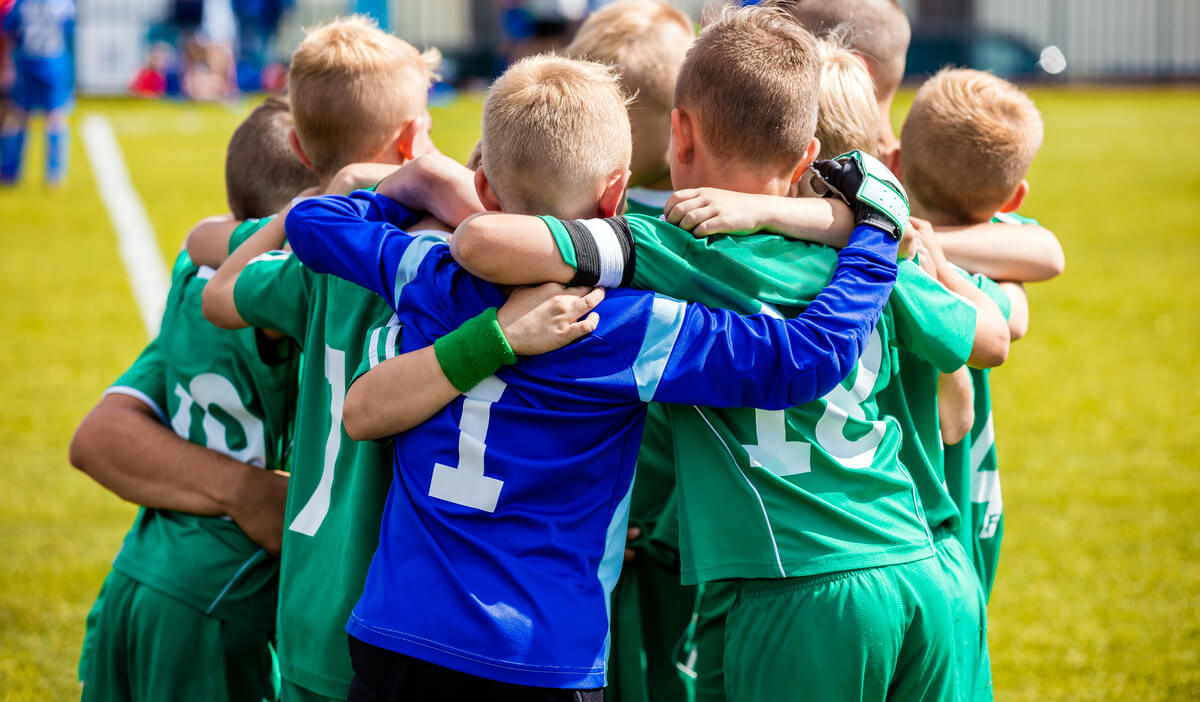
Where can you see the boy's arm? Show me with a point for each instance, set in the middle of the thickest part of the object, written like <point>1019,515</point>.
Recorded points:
<point>403,391</point>
<point>956,405</point>
<point>1018,316</point>
<point>435,184</point>
<point>694,355</point>
<point>706,211</point>
<point>991,328</point>
<point>218,301</point>
<point>122,445</point>
<point>1003,251</point>
<point>510,249</point>
<point>208,242</point>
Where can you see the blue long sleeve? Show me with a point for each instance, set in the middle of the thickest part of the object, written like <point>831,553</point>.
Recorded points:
<point>695,355</point>
<point>349,237</point>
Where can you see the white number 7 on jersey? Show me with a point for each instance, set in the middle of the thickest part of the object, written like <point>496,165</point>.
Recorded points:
<point>466,485</point>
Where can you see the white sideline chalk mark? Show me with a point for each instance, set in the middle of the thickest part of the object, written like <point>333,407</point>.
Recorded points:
<point>139,250</point>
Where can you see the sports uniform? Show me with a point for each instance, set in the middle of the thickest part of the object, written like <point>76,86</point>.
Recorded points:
<point>188,610</point>
<point>809,493</point>
<point>45,80</point>
<point>911,399</point>
<point>506,519</point>
<point>338,485</point>
<point>668,638</point>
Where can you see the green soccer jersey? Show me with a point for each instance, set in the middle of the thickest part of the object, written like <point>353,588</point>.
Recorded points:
<point>338,486</point>
<point>911,398</point>
<point>972,473</point>
<point>816,488</point>
<point>229,391</point>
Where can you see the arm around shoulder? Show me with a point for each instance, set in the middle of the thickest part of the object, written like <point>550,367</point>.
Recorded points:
<point>509,250</point>
<point>1003,251</point>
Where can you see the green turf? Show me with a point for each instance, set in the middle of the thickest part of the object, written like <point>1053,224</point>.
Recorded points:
<point>1097,414</point>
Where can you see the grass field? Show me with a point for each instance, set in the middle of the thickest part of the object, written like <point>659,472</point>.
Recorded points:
<point>1098,595</point>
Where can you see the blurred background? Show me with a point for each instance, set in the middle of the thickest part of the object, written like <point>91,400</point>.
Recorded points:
<point>192,44</point>
<point>1097,411</point>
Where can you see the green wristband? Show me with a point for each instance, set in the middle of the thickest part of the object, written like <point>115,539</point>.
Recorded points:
<point>474,351</point>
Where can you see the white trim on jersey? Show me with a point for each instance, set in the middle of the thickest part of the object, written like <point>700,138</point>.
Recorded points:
<point>757,496</point>
<point>410,262</point>
<point>608,247</point>
<point>666,321</point>
<point>138,394</point>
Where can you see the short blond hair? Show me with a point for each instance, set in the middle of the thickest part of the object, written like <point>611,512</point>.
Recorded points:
<point>351,86</point>
<point>751,78</point>
<point>552,127</point>
<point>847,115</point>
<point>632,35</point>
<point>967,142</point>
<point>878,30</point>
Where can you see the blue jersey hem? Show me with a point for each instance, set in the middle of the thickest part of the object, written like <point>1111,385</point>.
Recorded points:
<point>472,664</point>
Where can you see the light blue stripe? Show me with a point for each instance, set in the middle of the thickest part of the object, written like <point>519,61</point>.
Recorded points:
<point>258,556</point>
<point>411,261</point>
<point>614,556</point>
<point>666,320</point>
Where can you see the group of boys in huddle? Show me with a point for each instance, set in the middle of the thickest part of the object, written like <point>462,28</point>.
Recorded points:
<point>665,391</point>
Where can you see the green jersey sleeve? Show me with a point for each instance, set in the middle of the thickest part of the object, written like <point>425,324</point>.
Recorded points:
<point>146,380</point>
<point>246,229</point>
<point>932,322</point>
<point>273,291</point>
<point>1012,218</point>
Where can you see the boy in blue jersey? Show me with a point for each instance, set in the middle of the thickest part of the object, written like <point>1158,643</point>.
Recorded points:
<point>42,32</point>
<point>504,528</point>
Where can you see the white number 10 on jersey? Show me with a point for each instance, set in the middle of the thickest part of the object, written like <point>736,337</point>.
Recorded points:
<point>466,484</point>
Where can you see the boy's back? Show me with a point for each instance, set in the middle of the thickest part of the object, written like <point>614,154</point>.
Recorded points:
<point>220,389</point>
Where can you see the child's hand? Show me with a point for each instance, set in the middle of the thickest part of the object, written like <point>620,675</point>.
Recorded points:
<point>930,248</point>
<point>547,317</point>
<point>356,176</point>
<point>705,211</point>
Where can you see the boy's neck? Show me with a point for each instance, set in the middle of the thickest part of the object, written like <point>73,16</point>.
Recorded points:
<point>941,219</point>
<point>736,177</point>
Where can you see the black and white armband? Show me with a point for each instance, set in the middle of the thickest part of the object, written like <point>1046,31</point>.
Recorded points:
<point>603,251</point>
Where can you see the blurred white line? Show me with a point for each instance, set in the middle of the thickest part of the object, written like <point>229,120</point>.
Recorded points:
<point>139,250</point>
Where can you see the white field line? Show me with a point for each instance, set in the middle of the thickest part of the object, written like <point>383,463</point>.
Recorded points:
<point>139,250</point>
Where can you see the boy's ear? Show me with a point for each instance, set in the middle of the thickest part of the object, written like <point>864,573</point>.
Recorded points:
<point>895,162</point>
<point>612,200</point>
<point>1018,198</point>
<point>484,190</point>
<point>810,155</point>
<point>408,140</point>
<point>295,142</point>
<point>682,135</point>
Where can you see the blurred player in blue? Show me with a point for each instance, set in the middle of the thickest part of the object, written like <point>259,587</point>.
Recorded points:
<point>42,35</point>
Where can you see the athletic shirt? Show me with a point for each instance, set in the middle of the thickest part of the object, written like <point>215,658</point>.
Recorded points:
<point>972,473</point>
<point>43,29</point>
<point>816,488</point>
<point>338,485</point>
<point>220,389</point>
<point>503,533</point>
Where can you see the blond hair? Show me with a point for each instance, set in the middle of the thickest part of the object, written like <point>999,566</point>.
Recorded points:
<point>878,30</point>
<point>847,116</point>
<point>751,79</point>
<point>262,173</point>
<point>552,128</point>
<point>632,35</point>
<point>352,85</point>
<point>967,142</point>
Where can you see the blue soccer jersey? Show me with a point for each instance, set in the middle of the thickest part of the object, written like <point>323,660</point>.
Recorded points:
<point>504,529</point>
<point>42,30</point>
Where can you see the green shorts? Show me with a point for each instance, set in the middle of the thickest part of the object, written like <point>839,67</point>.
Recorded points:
<point>143,645</point>
<point>291,692</point>
<point>869,635</point>
<point>969,608</point>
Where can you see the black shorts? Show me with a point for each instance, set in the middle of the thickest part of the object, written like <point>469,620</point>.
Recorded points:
<point>381,675</point>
